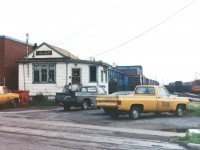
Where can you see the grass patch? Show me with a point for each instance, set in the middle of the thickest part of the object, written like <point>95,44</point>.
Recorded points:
<point>190,138</point>
<point>193,109</point>
<point>45,102</point>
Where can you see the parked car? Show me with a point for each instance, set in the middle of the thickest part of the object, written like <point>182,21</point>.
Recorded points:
<point>84,97</point>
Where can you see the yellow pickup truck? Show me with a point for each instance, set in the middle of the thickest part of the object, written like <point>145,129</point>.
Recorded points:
<point>6,97</point>
<point>146,98</point>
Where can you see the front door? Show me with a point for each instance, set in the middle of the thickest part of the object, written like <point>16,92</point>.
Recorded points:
<point>76,79</point>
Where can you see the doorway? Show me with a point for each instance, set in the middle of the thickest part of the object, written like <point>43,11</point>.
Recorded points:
<point>76,79</point>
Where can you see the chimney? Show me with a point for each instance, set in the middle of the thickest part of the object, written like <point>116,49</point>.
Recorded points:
<point>35,46</point>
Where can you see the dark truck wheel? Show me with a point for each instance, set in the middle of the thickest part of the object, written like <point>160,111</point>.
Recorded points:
<point>67,107</point>
<point>179,110</point>
<point>14,103</point>
<point>84,105</point>
<point>106,110</point>
<point>114,114</point>
<point>134,113</point>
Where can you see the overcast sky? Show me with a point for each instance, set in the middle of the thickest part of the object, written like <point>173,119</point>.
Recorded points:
<point>161,35</point>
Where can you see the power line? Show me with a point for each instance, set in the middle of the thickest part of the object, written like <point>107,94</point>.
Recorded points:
<point>148,30</point>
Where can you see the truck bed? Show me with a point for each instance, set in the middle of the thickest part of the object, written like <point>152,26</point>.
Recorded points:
<point>107,100</point>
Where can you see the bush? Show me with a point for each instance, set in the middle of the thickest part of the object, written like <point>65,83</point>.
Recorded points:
<point>41,100</point>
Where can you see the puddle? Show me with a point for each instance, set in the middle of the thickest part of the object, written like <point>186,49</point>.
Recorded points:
<point>182,130</point>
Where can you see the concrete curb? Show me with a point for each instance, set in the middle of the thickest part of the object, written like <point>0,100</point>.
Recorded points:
<point>193,146</point>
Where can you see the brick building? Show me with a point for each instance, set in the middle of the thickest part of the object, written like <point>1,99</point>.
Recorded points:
<point>10,50</point>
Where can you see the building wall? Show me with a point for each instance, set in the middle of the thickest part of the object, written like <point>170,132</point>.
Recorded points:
<point>85,75</point>
<point>63,71</point>
<point>10,51</point>
<point>26,82</point>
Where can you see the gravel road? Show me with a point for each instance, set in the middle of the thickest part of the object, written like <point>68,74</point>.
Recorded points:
<point>53,128</point>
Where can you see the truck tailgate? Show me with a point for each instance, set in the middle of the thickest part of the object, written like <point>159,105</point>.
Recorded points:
<point>106,100</point>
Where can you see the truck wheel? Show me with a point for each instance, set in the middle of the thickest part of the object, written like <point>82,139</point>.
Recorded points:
<point>67,107</point>
<point>106,110</point>
<point>84,105</point>
<point>114,114</point>
<point>134,113</point>
<point>157,113</point>
<point>14,103</point>
<point>179,111</point>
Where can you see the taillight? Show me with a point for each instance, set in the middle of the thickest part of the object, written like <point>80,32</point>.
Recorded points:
<point>119,102</point>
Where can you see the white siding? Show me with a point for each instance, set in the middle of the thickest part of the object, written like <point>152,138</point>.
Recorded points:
<point>85,76</point>
<point>63,72</point>
<point>26,82</point>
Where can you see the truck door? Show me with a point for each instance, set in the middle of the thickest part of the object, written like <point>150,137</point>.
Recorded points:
<point>164,103</point>
<point>148,97</point>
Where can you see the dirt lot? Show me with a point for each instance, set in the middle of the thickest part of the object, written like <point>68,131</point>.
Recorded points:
<point>97,117</point>
<point>53,128</point>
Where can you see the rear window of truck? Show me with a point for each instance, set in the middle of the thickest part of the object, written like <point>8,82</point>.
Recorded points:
<point>144,90</point>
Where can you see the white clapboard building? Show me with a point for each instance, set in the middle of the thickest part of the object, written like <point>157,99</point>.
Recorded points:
<point>47,69</point>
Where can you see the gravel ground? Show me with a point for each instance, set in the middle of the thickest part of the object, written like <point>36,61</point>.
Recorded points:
<point>149,121</point>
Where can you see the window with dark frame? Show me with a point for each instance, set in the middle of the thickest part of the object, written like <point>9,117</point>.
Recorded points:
<point>44,73</point>
<point>93,74</point>
<point>36,73</point>
<point>51,73</point>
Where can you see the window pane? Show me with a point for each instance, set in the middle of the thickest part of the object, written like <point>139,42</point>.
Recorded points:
<point>51,73</point>
<point>162,92</point>
<point>141,90</point>
<point>36,73</point>
<point>83,89</point>
<point>101,90</point>
<point>92,89</point>
<point>44,73</point>
<point>150,91</point>
<point>93,73</point>
<point>76,76</point>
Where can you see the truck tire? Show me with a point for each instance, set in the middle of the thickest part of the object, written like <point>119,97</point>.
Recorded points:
<point>14,103</point>
<point>114,114</point>
<point>106,110</point>
<point>84,105</point>
<point>179,111</point>
<point>134,113</point>
<point>157,113</point>
<point>66,107</point>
